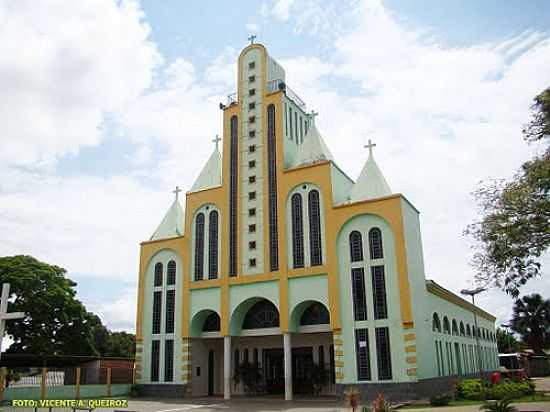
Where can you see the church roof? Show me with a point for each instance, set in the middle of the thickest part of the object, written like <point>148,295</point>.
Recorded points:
<point>371,183</point>
<point>211,174</point>
<point>171,224</point>
<point>314,148</point>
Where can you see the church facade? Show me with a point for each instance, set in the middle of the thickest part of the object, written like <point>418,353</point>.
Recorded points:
<point>283,275</point>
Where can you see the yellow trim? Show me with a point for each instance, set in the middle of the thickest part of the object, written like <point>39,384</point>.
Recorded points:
<point>411,372</point>
<point>411,359</point>
<point>338,342</point>
<point>186,367</point>
<point>443,293</point>
<point>410,336</point>
<point>339,364</point>
<point>339,375</point>
<point>410,349</point>
<point>186,358</point>
<point>408,325</point>
<point>338,353</point>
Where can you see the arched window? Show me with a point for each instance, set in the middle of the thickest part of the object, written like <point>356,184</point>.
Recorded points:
<point>158,274</point>
<point>171,273</point>
<point>199,247</point>
<point>262,314</point>
<point>297,231</point>
<point>233,194</point>
<point>356,246</point>
<point>314,210</point>
<point>455,327</point>
<point>436,323</point>
<point>446,325</point>
<point>462,331</point>
<point>375,243</point>
<point>468,330</point>
<point>213,245</point>
<point>211,323</point>
<point>315,314</point>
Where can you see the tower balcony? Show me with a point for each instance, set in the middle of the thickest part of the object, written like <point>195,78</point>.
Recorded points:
<point>272,87</point>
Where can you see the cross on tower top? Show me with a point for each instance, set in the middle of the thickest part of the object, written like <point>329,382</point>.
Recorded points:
<point>370,146</point>
<point>313,114</point>
<point>251,38</point>
<point>177,191</point>
<point>216,141</point>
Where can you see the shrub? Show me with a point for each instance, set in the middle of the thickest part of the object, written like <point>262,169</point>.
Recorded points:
<point>472,389</point>
<point>442,399</point>
<point>498,406</point>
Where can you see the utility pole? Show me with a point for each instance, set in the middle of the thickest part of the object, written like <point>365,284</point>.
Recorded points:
<point>473,293</point>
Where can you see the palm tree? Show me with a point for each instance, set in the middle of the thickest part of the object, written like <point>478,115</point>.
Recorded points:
<point>531,320</point>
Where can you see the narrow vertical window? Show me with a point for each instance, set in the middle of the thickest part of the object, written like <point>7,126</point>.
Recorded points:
<point>375,243</point>
<point>272,189</point>
<point>332,365</point>
<point>356,246</point>
<point>158,274</point>
<point>171,273</point>
<point>255,356</point>
<point>296,126</point>
<point>359,296</point>
<point>286,121</point>
<point>379,292</point>
<point>437,359</point>
<point>236,361</point>
<point>322,356</point>
<point>297,231</point>
<point>155,360</point>
<point>301,128</point>
<point>383,353</point>
<point>291,128</point>
<point>233,195</point>
<point>170,311</point>
<point>168,360</point>
<point>362,354</point>
<point>213,245</point>
<point>314,207</point>
<point>157,307</point>
<point>199,247</point>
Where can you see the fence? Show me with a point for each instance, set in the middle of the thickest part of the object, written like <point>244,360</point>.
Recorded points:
<point>64,383</point>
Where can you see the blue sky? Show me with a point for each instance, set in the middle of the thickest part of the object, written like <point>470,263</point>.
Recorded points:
<point>117,104</point>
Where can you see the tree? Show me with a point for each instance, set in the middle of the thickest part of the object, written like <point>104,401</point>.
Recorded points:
<point>507,342</point>
<point>515,228</point>
<point>121,344</point>
<point>531,320</point>
<point>55,321</point>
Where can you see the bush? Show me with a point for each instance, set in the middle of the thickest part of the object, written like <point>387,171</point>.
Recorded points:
<point>498,406</point>
<point>472,389</point>
<point>441,400</point>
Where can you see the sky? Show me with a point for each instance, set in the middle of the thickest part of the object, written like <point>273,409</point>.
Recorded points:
<point>107,105</point>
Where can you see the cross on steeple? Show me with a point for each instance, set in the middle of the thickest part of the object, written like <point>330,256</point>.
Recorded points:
<point>251,38</point>
<point>216,141</point>
<point>177,191</point>
<point>370,146</point>
<point>313,115</point>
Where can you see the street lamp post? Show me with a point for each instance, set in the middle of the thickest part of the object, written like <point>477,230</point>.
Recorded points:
<point>473,293</point>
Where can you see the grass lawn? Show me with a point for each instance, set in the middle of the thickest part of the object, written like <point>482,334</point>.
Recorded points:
<point>536,397</point>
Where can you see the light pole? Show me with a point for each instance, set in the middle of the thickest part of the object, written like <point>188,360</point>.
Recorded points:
<point>473,293</point>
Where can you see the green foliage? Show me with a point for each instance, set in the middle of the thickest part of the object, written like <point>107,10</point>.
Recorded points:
<point>471,389</point>
<point>121,345</point>
<point>515,228</point>
<point>250,374</point>
<point>498,406</point>
<point>539,126</point>
<point>531,320</point>
<point>442,399</point>
<point>507,342</point>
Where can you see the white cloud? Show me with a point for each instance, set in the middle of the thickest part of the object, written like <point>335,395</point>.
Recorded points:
<point>281,9</point>
<point>64,64</point>
<point>252,28</point>
<point>119,313</point>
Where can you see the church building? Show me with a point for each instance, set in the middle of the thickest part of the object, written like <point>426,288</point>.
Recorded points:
<point>283,275</point>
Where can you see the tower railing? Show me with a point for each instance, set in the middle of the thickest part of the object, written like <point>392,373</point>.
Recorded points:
<point>274,86</point>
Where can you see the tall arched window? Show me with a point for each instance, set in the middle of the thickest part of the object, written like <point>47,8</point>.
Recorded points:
<point>199,247</point>
<point>158,274</point>
<point>213,245</point>
<point>375,243</point>
<point>315,314</point>
<point>233,194</point>
<point>314,210</point>
<point>297,231</point>
<point>262,314</point>
<point>356,246</point>
<point>211,323</point>
<point>171,273</point>
<point>272,189</point>
<point>455,327</point>
<point>446,325</point>
<point>462,330</point>
<point>436,324</point>
<point>468,330</point>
